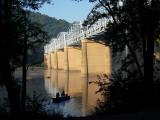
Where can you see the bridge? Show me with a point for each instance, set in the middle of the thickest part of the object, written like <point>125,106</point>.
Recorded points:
<point>80,48</point>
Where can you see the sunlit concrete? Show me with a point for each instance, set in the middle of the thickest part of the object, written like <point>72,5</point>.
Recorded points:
<point>91,57</point>
<point>84,58</point>
<point>74,58</point>
<point>54,60</point>
<point>66,64</point>
<point>60,59</point>
<point>47,61</point>
<point>96,58</point>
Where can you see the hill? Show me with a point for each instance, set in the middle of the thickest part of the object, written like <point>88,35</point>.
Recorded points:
<point>49,24</point>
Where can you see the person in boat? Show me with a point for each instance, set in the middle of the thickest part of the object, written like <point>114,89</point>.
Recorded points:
<point>57,95</point>
<point>63,94</point>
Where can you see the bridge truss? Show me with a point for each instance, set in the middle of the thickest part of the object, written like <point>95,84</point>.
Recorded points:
<point>75,34</point>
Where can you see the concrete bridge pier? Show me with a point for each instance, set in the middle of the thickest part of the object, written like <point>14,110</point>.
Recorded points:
<point>52,58</point>
<point>84,60</point>
<point>55,61</point>
<point>66,64</point>
<point>95,58</point>
<point>74,58</point>
<point>60,59</point>
<point>47,60</point>
<point>108,61</point>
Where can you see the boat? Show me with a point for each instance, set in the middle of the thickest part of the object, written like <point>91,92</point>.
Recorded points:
<point>60,99</point>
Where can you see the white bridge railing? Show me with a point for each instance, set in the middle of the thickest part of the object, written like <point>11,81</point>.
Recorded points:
<point>75,34</point>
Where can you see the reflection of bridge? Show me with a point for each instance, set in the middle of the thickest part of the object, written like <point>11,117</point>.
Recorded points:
<point>79,49</point>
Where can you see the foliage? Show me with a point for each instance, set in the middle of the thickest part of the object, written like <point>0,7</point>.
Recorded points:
<point>49,24</point>
<point>134,24</point>
<point>17,34</point>
<point>52,27</point>
<point>34,104</point>
<point>120,94</point>
<point>129,24</point>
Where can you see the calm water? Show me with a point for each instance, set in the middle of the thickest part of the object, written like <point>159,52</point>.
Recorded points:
<point>83,97</point>
<point>47,83</point>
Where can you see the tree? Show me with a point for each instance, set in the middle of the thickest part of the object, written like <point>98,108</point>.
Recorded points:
<point>134,23</point>
<point>33,36</point>
<point>14,43</point>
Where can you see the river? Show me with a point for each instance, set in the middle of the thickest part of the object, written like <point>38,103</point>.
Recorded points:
<point>46,83</point>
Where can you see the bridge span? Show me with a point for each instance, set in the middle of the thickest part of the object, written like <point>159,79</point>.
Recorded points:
<point>81,49</point>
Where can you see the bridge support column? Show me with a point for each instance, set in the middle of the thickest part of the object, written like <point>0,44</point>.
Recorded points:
<point>45,61</point>
<point>74,58</point>
<point>55,60</point>
<point>49,60</point>
<point>60,56</point>
<point>96,57</point>
<point>108,61</point>
<point>84,62</point>
<point>52,59</point>
<point>66,64</point>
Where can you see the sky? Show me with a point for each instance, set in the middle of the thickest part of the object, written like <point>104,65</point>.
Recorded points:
<point>68,10</point>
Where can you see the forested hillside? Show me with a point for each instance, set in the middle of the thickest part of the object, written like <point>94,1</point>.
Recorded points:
<point>49,24</point>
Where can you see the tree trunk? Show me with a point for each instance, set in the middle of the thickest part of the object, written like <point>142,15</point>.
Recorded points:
<point>148,69</point>
<point>23,97</point>
<point>6,69</point>
<point>11,86</point>
<point>14,98</point>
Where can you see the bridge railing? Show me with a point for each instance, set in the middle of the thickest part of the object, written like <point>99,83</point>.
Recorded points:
<point>75,34</point>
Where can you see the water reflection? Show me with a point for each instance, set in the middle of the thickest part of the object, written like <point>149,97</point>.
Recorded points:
<point>67,82</point>
<point>35,82</point>
<point>47,83</point>
<point>83,97</point>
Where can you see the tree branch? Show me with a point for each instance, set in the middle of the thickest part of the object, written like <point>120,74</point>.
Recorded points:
<point>108,8</point>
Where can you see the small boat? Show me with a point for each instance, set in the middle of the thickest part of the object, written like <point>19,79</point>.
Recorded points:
<point>60,99</point>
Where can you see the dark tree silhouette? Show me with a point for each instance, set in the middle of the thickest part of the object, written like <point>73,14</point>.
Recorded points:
<point>16,33</point>
<point>134,24</point>
<point>33,36</point>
